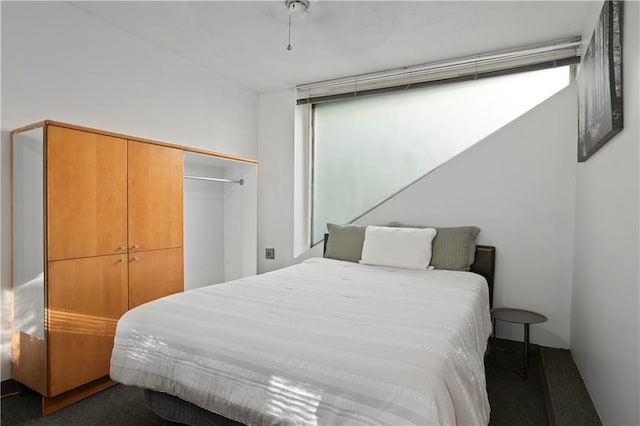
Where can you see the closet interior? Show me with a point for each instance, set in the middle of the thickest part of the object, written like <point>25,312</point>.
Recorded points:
<point>220,219</point>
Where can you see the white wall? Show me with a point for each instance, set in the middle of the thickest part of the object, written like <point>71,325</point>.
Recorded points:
<point>241,222</point>
<point>605,314</point>
<point>517,185</point>
<point>61,63</point>
<point>203,245</point>
<point>276,174</point>
<point>528,194</point>
<point>220,221</point>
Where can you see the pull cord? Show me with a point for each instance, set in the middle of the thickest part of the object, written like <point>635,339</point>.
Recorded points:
<point>289,45</point>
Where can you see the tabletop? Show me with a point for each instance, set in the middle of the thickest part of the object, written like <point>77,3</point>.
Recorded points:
<point>519,316</point>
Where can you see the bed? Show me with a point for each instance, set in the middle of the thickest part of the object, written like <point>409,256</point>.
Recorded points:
<point>326,341</point>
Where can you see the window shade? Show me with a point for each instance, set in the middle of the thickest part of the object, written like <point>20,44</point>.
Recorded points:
<point>557,53</point>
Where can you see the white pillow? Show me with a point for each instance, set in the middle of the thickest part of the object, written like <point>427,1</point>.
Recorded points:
<point>399,247</point>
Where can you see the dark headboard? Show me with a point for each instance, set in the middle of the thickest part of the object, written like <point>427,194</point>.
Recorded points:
<point>484,264</point>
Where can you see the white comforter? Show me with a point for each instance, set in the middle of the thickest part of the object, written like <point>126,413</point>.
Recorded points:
<point>323,342</point>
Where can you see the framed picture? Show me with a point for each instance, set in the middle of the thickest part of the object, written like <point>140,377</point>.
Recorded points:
<point>600,83</point>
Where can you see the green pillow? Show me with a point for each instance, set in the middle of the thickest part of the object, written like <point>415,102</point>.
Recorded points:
<point>345,242</point>
<point>453,248</point>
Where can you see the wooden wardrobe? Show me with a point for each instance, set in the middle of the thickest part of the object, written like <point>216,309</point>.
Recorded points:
<point>109,209</point>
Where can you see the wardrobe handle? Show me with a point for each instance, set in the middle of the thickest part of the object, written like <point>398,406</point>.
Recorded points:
<point>122,248</point>
<point>120,260</point>
<point>135,246</point>
<point>134,258</point>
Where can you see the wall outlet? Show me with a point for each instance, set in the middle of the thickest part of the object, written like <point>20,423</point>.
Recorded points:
<point>269,253</point>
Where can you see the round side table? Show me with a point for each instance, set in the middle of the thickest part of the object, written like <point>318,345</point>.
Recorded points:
<point>518,316</point>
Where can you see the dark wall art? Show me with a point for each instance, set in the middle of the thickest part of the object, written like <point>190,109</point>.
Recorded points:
<point>600,83</point>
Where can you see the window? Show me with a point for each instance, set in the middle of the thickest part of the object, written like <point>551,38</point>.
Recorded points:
<point>366,149</point>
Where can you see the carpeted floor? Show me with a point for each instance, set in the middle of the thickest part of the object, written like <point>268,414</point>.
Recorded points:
<point>116,406</point>
<point>569,401</point>
<point>513,402</point>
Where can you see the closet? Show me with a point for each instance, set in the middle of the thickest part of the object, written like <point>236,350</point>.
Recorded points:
<point>98,223</point>
<point>220,227</point>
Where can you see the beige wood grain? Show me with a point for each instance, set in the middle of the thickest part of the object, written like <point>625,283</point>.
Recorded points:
<point>154,274</point>
<point>86,194</point>
<point>51,405</point>
<point>28,127</point>
<point>103,194</point>
<point>86,297</point>
<point>139,139</point>
<point>29,361</point>
<point>155,197</point>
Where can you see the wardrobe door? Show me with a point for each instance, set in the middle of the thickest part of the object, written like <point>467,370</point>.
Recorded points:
<point>86,297</point>
<point>154,274</point>
<point>86,194</point>
<point>155,197</point>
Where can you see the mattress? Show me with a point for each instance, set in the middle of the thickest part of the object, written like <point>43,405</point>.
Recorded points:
<point>324,342</point>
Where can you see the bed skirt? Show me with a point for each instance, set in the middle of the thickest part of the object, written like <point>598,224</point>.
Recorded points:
<point>176,410</point>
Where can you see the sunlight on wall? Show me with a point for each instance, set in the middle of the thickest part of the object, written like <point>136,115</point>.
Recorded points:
<point>28,313</point>
<point>27,295</point>
<point>367,149</point>
<point>5,349</point>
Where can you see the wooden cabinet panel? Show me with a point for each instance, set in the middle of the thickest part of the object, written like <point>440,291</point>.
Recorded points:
<point>86,297</point>
<point>155,197</point>
<point>154,274</point>
<point>104,194</point>
<point>86,194</point>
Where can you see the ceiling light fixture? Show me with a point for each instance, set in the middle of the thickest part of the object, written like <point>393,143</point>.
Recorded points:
<point>297,11</point>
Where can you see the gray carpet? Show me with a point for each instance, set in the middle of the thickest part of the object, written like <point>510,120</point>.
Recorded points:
<point>569,401</point>
<point>119,405</point>
<point>513,401</point>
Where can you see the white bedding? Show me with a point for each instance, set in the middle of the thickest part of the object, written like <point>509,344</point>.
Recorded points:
<point>324,342</point>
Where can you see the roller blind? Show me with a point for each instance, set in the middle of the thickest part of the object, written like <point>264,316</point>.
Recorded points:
<point>529,58</point>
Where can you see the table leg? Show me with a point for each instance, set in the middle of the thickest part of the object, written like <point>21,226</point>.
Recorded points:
<point>494,329</point>
<point>526,349</point>
<point>493,341</point>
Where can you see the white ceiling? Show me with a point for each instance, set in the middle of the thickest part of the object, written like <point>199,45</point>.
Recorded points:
<point>245,41</point>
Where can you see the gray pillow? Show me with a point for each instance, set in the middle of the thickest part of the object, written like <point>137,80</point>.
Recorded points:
<point>345,242</point>
<point>453,248</point>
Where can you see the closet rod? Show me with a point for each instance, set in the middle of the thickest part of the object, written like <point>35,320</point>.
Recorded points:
<point>240,182</point>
